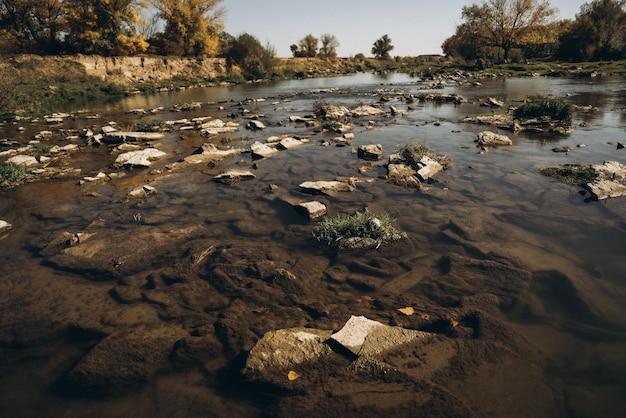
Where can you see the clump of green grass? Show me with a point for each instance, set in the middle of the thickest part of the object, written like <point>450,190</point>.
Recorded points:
<point>150,125</point>
<point>362,224</point>
<point>574,174</point>
<point>553,108</point>
<point>332,125</point>
<point>41,147</point>
<point>413,153</point>
<point>12,173</point>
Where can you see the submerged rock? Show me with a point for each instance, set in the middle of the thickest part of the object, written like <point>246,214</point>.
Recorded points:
<point>234,176</point>
<point>325,187</point>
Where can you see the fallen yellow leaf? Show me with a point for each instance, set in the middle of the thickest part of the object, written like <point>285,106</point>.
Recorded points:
<point>454,323</point>
<point>408,311</point>
<point>292,375</point>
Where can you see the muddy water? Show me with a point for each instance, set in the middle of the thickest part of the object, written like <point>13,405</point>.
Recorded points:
<point>492,206</point>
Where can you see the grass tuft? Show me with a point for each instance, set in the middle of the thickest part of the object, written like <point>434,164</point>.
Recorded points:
<point>553,108</point>
<point>413,153</point>
<point>362,224</point>
<point>12,173</point>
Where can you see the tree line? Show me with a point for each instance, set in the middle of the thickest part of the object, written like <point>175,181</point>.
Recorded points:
<point>490,31</point>
<point>515,30</point>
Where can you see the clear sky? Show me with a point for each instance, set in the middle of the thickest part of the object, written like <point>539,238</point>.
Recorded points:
<point>415,27</point>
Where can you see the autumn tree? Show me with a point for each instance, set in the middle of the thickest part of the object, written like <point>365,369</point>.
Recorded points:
<point>107,27</point>
<point>504,24</point>
<point>598,33</point>
<point>329,46</point>
<point>38,22</point>
<point>307,46</point>
<point>192,27</point>
<point>382,47</point>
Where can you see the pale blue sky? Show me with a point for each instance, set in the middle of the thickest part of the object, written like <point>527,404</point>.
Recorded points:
<point>415,26</point>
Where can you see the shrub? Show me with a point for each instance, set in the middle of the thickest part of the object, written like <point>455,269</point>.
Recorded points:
<point>413,153</point>
<point>12,173</point>
<point>332,125</point>
<point>362,224</point>
<point>553,108</point>
<point>150,125</point>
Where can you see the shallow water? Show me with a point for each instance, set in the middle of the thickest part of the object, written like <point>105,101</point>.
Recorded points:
<point>572,312</point>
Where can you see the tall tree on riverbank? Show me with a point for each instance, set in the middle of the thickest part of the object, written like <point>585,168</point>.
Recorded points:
<point>106,27</point>
<point>329,46</point>
<point>192,27</point>
<point>255,60</point>
<point>382,47</point>
<point>502,24</point>
<point>598,33</point>
<point>32,24</point>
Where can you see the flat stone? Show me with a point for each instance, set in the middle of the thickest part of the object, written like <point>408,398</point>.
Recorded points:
<point>234,176</point>
<point>312,210</point>
<point>26,160</point>
<point>119,137</point>
<point>367,111</point>
<point>325,187</point>
<point>286,348</point>
<point>365,337</point>
<point>141,158</point>
<point>260,150</point>
<point>209,152</point>
<point>289,143</point>
<point>255,125</point>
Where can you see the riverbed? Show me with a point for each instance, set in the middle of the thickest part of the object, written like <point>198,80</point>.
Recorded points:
<point>521,278</point>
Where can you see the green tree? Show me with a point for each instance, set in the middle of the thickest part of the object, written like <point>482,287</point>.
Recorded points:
<point>192,27</point>
<point>38,22</point>
<point>329,46</point>
<point>106,27</point>
<point>503,24</point>
<point>598,33</point>
<point>382,47</point>
<point>255,60</point>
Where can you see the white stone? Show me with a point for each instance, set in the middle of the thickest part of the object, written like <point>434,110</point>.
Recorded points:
<point>4,226</point>
<point>313,210</point>
<point>141,158</point>
<point>26,160</point>
<point>492,138</point>
<point>260,150</point>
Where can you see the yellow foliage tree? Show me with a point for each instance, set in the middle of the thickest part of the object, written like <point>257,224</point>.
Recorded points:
<point>106,27</point>
<point>192,25</point>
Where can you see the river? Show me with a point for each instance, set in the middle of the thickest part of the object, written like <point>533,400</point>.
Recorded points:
<point>564,253</point>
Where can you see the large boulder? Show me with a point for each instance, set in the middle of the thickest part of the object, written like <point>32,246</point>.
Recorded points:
<point>611,180</point>
<point>334,111</point>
